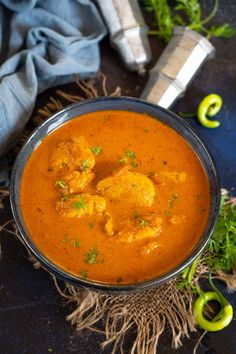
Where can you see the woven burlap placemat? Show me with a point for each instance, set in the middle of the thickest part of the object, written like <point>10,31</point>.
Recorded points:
<point>147,313</point>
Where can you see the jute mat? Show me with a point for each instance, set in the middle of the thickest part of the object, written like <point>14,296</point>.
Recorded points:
<point>148,313</point>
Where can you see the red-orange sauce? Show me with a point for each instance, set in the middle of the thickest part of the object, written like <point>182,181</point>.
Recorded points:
<point>158,150</point>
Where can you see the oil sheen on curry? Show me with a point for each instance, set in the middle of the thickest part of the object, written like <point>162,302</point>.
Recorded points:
<point>115,197</point>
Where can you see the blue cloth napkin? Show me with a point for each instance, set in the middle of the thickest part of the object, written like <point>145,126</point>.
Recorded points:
<point>44,44</point>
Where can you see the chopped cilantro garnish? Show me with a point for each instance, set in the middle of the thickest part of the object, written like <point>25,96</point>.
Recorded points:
<point>167,213</point>
<point>143,222</point>
<point>131,154</point>
<point>71,241</point>
<point>129,157</point>
<point>91,256</point>
<point>222,244</point>
<point>134,164</point>
<point>172,199</point>
<point>76,244</point>
<point>61,183</point>
<point>79,204</point>
<point>64,198</point>
<point>65,239</point>
<point>96,150</point>
<point>85,165</point>
<point>84,274</point>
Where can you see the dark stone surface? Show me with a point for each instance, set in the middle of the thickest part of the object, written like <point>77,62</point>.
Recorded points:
<point>32,314</point>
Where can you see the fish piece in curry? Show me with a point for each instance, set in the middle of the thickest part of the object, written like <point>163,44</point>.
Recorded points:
<point>133,187</point>
<point>140,229</point>
<point>72,155</point>
<point>134,229</point>
<point>74,181</point>
<point>73,162</point>
<point>78,205</point>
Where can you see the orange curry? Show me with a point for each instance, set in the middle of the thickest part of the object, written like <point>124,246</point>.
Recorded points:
<point>115,196</point>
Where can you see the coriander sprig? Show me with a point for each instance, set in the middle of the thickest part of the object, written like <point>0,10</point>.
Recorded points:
<point>185,13</point>
<point>222,245</point>
<point>221,255</point>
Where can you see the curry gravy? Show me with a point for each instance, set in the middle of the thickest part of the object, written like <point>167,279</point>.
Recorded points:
<point>84,245</point>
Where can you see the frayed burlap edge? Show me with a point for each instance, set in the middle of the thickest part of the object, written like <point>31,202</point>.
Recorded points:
<point>147,313</point>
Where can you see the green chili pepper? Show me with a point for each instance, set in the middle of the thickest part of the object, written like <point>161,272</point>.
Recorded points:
<point>189,272</point>
<point>222,319</point>
<point>209,107</point>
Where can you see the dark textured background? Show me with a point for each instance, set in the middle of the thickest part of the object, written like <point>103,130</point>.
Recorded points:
<point>32,314</point>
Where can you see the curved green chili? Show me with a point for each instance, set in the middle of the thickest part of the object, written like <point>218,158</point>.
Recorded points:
<point>208,107</point>
<point>189,272</point>
<point>222,319</point>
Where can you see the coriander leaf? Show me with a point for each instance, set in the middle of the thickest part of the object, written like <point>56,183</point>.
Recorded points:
<point>172,199</point>
<point>64,198</point>
<point>163,17</point>
<point>167,213</point>
<point>221,248</point>
<point>178,20</point>
<point>225,31</point>
<point>143,222</point>
<point>185,12</point>
<point>222,245</point>
<point>134,164</point>
<point>96,150</point>
<point>61,183</point>
<point>84,274</point>
<point>131,154</point>
<point>80,204</point>
<point>91,256</point>
<point>129,158</point>
<point>65,238</point>
<point>191,8</point>
<point>85,165</point>
<point>76,244</point>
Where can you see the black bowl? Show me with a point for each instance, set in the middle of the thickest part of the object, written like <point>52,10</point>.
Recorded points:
<point>115,103</point>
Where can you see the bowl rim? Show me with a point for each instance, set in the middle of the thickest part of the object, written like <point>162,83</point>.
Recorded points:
<point>140,285</point>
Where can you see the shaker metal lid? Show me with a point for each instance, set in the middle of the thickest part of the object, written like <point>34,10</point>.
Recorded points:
<point>179,63</point>
<point>128,31</point>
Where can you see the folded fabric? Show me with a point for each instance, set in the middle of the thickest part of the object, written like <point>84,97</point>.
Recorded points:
<point>42,44</point>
